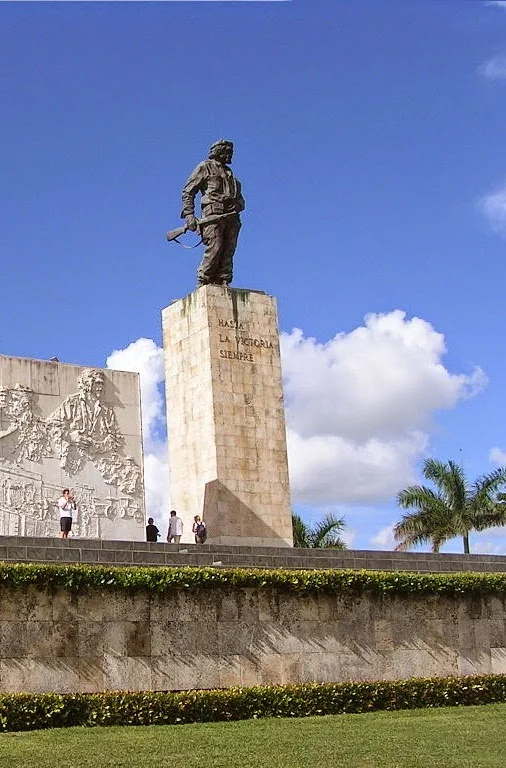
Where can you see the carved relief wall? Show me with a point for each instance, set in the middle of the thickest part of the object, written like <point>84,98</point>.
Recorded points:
<point>66,426</point>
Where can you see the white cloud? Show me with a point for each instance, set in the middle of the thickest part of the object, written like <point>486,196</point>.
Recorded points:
<point>360,407</point>
<point>384,538</point>
<point>493,207</point>
<point>494,68</point>
<point>348,536</point>
<point>489,542</point>
<point>146,358</point>
<point>497,456</point>
<point>330,469</point>
<point>497,3</point>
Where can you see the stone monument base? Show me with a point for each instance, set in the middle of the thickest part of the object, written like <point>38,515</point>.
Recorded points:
<point>226,421</point>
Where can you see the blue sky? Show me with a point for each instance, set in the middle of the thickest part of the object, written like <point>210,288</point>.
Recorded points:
<point>370,144</point>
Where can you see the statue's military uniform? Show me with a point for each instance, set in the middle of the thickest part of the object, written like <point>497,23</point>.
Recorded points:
<point>221,193</point>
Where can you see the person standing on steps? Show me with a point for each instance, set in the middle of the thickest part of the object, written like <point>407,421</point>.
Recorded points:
<point>152,532</point>
<point>175,528</point>
<point>67,506</point>
<point>199,529</point>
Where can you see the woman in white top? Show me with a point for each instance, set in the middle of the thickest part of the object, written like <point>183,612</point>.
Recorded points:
<point>67,505</point>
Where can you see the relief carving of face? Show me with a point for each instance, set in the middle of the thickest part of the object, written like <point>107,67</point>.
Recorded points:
<point>91,384</point>
<point>97,387</point>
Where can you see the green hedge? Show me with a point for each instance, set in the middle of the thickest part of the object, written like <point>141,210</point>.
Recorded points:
<point>25,712</point>
<point>75,578</point>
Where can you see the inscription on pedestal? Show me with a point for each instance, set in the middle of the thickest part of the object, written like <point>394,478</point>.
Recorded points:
<point>239,339</point>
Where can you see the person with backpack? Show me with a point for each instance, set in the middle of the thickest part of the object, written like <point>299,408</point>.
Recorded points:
<point>199,529</point>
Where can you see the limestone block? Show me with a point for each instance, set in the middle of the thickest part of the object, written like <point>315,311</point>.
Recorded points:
<point>496,607</point>
<point>25,604</point>
<point>127,638</point>
<point>473,635</point>
<point>250,671</point>
<point>419,661</point>
<point>175,640</point>
<point>123,673</point>
<point>282,639</point>
<point>474,662</point>
<point>321,636</point>
<point>164,673</point>
<point>13,639</point>
<point>32,675</point>
<point>51,639</point>
<point>231,671</point>
<point>268,605</point>
<point>199,671</point>
<point>91,639</point>
<point>227,607</point>
<point>110,607</point>
<point>233,638</point>
<point>497,632</point>
<point>309,608</point>
<point>64,607</point>
<point>91,674</point>
<point>322,667</point>
<point>498,660</point>
<point>280,670</point>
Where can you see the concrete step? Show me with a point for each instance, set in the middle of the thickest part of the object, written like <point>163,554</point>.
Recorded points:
<point>104,552</point>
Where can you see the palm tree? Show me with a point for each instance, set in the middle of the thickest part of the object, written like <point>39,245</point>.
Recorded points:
<point>453,508</point>
<point>323,535</point>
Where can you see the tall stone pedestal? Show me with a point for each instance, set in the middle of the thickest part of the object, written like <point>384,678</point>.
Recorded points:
<point>227,441</point>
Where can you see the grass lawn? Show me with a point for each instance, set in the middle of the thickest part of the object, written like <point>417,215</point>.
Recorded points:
<point>467,737</point>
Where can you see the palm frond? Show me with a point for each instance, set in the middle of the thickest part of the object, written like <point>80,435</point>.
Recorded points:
<point>490,483</point>
<point>450,480</point>
<point>419,497</point>
<point>300,531</point>
<point>327,530</point>
<point>324,534</point>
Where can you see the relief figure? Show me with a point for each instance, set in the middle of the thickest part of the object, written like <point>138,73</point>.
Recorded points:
<point>84,427</point>
<point>29,431</point>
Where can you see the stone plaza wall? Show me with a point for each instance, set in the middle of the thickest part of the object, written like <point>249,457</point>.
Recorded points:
<point>221,637</point>
<point>67,426</point>
<point>225,412</point>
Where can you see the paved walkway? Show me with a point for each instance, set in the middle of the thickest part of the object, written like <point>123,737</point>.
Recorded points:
<point>48,550</point>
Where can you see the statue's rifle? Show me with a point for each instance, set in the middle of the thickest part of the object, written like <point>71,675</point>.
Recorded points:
<point>174,234</point>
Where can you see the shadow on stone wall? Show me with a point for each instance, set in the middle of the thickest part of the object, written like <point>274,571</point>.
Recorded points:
<point>227,516</point>
<point>221,636</point>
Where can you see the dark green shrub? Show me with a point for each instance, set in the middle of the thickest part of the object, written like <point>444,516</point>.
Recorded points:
<point>76,578</point>
<point>24,712</point>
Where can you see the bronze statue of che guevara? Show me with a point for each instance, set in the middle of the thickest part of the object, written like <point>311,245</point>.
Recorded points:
<point>221,204</point>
